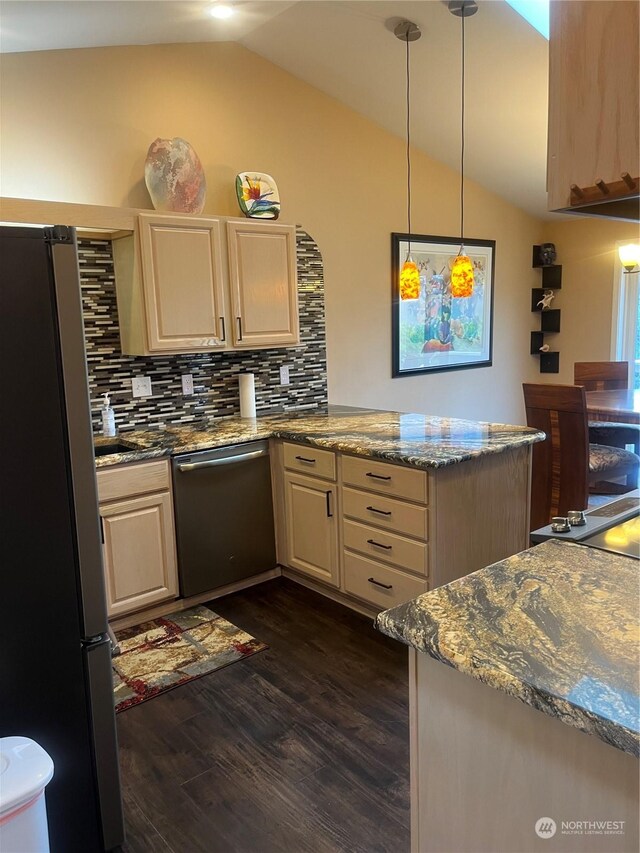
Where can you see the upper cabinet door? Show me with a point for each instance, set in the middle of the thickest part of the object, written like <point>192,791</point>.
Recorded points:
<point>182,282</point>
<point>264,292</point>
<point>593,102</point>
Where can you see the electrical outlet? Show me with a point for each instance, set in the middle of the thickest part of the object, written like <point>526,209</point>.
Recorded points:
<point>187,384</point>
<point>284,374</point>
<point>141,386</point>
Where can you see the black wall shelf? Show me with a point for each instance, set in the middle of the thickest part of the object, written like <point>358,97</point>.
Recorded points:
<point>537,340</point>
<point>536,257</point>
<point>552,277</point>
<point>549,317</point>
<point>549,362</point>
<point>550,320</point>
<point>536,295</point>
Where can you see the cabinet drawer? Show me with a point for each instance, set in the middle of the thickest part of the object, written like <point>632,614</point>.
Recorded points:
<point>381,545</point>
<point>396,480</point>
<point>123,481</point>
<point>380,585</point>
<point>310,460</point>
<point>386,512</point>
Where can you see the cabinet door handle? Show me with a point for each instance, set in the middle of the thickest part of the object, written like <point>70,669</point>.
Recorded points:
<point>102,529</point>
<point>306,459</point>
<point>239,319</point>
<point>379,511</point>
<point>383,585</point>
<point>329,511</point>
<point>379,544</point>
<point>223,336</point>
<point>378,476</point>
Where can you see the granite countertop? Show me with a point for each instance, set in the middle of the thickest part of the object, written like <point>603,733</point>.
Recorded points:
<point>555,626</point>
<point>423,441</point>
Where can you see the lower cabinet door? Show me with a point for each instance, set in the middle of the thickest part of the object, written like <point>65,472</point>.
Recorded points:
<point>312,542</point>
<point>139,552</point>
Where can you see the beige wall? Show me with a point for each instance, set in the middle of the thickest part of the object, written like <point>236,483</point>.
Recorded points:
<point>341,176</point>
<point>587,251</point>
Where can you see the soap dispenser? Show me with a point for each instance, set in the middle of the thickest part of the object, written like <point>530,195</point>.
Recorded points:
<point>108,418</point>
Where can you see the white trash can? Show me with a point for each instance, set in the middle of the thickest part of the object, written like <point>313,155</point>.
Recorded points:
<point>25,770</point>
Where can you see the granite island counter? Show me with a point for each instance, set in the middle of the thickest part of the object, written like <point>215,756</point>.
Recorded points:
<point>555,627</point>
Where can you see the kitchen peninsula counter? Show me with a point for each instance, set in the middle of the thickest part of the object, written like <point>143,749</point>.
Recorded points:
<point>422,441</point>
<point>556,627</point>
<point>375,504</point>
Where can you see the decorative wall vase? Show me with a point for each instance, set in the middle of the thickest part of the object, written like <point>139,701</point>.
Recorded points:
<point>258,195</point>
<point>174,176</point>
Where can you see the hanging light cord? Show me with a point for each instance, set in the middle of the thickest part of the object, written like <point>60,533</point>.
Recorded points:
<point>408,142</point>
<point>462,146</point>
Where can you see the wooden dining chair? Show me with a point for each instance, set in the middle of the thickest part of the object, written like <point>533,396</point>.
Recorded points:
<point>601,375</point>
<point>607,376</point>
<point>565,464</point>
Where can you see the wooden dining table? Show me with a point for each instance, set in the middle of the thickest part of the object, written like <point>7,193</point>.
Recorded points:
<point>620,406</point>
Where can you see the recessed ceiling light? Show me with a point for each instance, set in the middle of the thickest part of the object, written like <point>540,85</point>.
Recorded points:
<point>222,11</point>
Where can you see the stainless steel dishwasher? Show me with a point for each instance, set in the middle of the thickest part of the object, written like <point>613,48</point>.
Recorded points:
<point>224,515</point>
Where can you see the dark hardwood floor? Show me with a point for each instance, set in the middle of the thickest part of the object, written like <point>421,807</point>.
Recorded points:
<point>302,747</point>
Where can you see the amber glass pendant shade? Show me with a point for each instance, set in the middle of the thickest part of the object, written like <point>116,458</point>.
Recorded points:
<point>462,277</point>
<point>409,280</point>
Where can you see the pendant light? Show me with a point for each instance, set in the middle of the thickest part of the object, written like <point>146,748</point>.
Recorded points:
<point>409,274</point>
<point>462,268</point>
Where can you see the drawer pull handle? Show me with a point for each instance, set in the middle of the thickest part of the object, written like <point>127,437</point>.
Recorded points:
<point>378,476</point>
<point>383,585</point>
<point>379,544</point>
<point>306,459</point>
<point>379,511</point>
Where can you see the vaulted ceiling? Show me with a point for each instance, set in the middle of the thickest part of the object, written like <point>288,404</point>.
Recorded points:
<point>348,50</point>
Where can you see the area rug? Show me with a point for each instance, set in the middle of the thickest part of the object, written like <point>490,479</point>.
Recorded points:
<point>164,653</point>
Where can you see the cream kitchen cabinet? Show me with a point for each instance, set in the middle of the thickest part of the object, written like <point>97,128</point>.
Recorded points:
<point>374,534</point>
<point>593,106</point>
<point>263,284</point>
<point>170,286</point>
<point>385,540</point>
<point>182,287</point>
<point>139,550</point>
<point>311,527</point>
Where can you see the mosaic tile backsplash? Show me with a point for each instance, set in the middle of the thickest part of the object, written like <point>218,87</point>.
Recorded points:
<point>215,375</point>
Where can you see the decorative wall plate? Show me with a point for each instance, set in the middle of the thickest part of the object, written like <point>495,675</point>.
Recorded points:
<point>174,176</point>
<point>258,195</point>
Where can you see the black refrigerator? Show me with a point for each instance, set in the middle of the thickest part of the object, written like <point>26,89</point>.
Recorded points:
<point>55,660</point>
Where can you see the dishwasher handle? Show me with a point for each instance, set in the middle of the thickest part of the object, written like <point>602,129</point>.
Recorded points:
<point>225,460</point>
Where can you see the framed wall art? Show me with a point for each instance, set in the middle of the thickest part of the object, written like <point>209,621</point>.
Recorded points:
<point>431,329</point>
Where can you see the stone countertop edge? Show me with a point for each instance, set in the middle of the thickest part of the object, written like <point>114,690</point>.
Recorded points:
<point>491,625</point>
<point>367,433</point>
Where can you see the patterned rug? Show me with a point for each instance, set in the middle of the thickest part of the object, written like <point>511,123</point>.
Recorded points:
<point>164,653</point>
